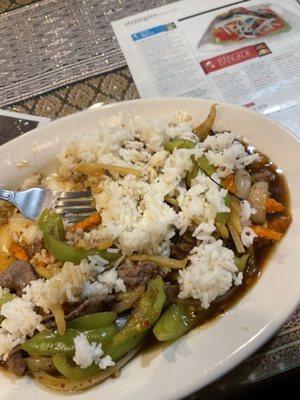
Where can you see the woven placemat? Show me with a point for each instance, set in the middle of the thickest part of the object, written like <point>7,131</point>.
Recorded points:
<point>52,43</point>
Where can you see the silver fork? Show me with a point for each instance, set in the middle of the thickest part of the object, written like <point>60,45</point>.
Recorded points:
<point>72,206</point>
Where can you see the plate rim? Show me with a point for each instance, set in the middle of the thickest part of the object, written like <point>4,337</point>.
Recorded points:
<point>96,107</point>
<point>278,318</point>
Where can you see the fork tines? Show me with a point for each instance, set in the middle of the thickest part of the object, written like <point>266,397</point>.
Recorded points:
<point>74,206</point>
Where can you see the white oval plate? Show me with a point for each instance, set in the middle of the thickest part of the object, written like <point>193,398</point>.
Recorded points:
<point>205,354</point>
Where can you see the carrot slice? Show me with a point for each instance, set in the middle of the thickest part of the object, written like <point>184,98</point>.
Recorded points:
<point>87,223</point>
<point>273,206</point>
<point>229,183</point>
<point>266,233</point>
<point>19,252</point>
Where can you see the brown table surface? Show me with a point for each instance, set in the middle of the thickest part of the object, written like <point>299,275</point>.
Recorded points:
<point>282,352</point>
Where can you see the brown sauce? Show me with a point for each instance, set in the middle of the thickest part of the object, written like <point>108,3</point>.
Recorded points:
<point>262,250</point>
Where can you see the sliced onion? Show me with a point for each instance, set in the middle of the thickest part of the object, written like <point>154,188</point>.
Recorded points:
<point>40,364</point>
<point>235,205</point>
<point>160,261</point>
<point>235,237</point>
<point>62,384</point>
<point>223,231</point>
<point>128,299</point>
<point>242,182</point>
<point>257,198</point>
<point>59,317</point>
<point>235,221</point>
<point>98,169</point>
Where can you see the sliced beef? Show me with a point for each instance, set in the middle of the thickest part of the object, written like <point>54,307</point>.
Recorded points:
<point>16,361</point>
<point>17,276</point>
<point>182,245</point>
<point>134,274</point>
<point>88,306</point>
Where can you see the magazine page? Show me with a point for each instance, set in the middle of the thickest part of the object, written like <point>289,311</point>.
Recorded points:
<point>242,52</point>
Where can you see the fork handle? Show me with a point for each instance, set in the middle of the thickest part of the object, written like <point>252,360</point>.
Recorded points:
<point>7,195</point>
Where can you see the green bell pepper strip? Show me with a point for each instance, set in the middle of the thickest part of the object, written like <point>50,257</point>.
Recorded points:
<point>179,144</point>
<point>5,298</point>
<point>143,317</point>
<point>71,371</point>
<point>193,173</point>
<point>222,229</point>
<point>241,262</point>
<point>53,231</point>
<point>227,202</point>
<point>177,320</point>
<point>122,344</point>
<point>93,321</point>
<point>47,343</point>
<point>205,166</point>
<point>221,219</point>
<point>62,384</point>
<point>148,308</point>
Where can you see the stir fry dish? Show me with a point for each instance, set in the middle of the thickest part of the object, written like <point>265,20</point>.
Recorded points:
<point>239,24</point>
<point>186,216</point>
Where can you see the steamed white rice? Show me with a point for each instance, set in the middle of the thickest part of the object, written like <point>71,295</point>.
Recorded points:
<point>134,213</point>
<point>211,273</point>
<point>137,219</point>
<point>87,353</point>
